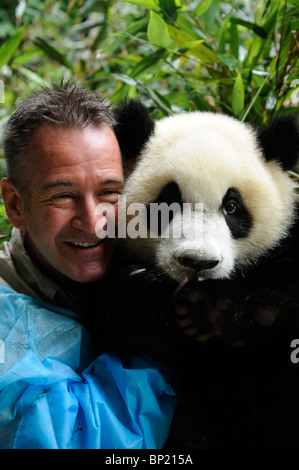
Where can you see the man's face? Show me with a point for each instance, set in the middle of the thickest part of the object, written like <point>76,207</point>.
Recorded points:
<point>73,171</point>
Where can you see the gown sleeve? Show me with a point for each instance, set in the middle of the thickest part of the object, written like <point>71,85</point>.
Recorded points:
<point>55,395</point>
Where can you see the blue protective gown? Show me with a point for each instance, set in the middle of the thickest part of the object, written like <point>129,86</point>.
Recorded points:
<point>55,395</point>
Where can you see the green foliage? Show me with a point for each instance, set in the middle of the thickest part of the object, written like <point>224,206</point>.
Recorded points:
<point>240,58</point>
<point>237,57</point>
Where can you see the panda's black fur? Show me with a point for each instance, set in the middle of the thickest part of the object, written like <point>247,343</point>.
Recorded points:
<point>239,389</point>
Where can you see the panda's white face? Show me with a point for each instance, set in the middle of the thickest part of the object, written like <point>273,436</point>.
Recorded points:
<point>201,248</point>
<point>231,205</point>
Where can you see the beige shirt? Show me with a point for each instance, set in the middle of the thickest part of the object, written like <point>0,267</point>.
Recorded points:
<point>19,273</point>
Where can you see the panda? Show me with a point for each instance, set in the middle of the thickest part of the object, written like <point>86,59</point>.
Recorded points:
<point>210,286</point>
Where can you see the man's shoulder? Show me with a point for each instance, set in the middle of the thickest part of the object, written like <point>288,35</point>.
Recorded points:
<point>8,272</point>
<point>9,276</point>
<point>3,283</point>
<point>15,243</point>
<point>18,272</point>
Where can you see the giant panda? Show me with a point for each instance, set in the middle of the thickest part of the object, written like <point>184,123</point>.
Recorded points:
<point>218,304</point>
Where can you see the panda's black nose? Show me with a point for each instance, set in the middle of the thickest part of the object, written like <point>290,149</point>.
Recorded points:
<point>196,263</point>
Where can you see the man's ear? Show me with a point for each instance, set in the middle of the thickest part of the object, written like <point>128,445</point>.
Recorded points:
<point>14,204</point>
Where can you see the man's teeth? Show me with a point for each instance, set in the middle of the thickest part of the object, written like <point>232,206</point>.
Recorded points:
<point>85,245</point>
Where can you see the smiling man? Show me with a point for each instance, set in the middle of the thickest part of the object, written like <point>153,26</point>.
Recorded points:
<point>74,171</point>
<point>63,160</point>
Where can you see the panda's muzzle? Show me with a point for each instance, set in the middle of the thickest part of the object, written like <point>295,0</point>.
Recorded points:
<point>198,264</point>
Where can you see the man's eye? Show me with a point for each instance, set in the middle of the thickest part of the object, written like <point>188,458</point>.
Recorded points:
<point>110,194</point>
<point>62,196</point>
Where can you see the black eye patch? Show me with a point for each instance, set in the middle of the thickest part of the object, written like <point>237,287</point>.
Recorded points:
<point>236,215</point>
<point>161,212</point>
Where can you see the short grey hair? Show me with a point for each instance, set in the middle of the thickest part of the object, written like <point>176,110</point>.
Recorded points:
<point>67,105</point>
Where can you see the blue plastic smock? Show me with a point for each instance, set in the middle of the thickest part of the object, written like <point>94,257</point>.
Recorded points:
<point>55,395</point>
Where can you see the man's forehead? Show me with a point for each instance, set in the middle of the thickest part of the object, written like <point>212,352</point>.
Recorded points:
<point>56,149</point>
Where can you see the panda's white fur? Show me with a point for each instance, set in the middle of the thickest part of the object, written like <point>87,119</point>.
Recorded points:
<point>206,154</point>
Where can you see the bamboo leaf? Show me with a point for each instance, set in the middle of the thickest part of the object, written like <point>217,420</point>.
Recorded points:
<point>238,95</point>
<point>201,52</point>
<point>169,10</point>
<point>234,39</point>
<point>144,3</point>
<point>9,47</point>
<point>229,60</point>
<point>122,37</point>
<point>202,7</point>
<point>25,58</point>
<point>51,51</point>
<point>255,97</point>
<point>125,79</point>
<point>148,62</point>
<point>189,46</point>
<point>157,31</point>
<point>86,26</point>
<point>253,26</point>
<point>34,77</point>
<point>223,31</point>
<point>159,100</point>
<point>269,23</point>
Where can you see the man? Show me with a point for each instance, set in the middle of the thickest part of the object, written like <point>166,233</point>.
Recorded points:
<point>63,159</point>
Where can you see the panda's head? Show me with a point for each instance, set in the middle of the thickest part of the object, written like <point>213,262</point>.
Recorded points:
<point>227,197</point>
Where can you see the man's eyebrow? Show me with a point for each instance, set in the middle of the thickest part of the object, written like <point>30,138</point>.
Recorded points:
<point>113,181</point>
<point>54,184</point>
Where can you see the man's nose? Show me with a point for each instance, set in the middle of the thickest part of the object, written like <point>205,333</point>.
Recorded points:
<point>86,215</point>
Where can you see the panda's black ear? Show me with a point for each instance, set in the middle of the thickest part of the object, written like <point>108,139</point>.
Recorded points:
<point>134,126</point>
<point>280,141</point>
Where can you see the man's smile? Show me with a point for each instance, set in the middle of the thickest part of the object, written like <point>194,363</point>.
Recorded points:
<point>84,244</point>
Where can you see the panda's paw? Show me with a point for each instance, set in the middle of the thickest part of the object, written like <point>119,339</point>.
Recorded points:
<point>234,315</point>
<point>266,316</point>
<point>198,316</point>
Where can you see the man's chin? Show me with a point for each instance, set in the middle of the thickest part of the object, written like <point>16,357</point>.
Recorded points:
<point>89,264</point>
<point>87,274</point>
<point>71,274</point>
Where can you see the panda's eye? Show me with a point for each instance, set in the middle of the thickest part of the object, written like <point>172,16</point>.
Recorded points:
<point>230,206</point>
<point>236,214</point>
